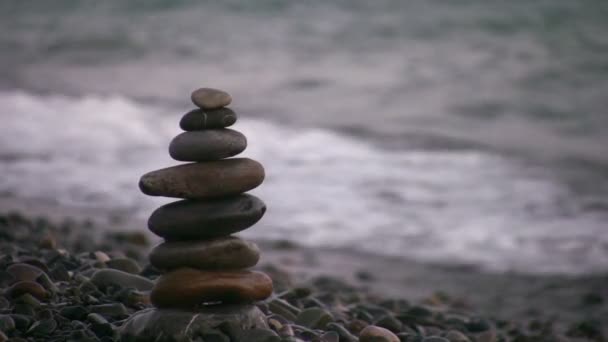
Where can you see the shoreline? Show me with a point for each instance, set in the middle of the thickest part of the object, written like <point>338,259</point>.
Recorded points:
<point>563,300</point>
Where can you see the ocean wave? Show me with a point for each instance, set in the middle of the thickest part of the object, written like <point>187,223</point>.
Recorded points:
<point>322,188</point>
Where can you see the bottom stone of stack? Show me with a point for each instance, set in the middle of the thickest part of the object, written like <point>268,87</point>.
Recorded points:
<point>163,325</point>
<point>189,288</point>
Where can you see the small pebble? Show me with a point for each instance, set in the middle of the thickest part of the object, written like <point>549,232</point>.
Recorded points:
<point>374,333</point>
<point>29,287</point>
<point>125,265</point>
<point>210,98</point>
<point>42,328</point>
<point>114,310</point>
<point>108,277</point>
<point>7,324</point>
<point>314,318</point>
<point>456,336</point>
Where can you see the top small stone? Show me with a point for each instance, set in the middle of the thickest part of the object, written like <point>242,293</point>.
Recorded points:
<point>209,98</point>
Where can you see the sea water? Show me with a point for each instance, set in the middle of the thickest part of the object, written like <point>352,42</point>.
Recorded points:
<point>458,132</point>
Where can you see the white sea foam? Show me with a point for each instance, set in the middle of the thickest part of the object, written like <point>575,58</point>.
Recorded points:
<point>322,188</point>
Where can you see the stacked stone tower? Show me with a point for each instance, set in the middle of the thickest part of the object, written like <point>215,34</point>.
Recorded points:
<point>204,266</point>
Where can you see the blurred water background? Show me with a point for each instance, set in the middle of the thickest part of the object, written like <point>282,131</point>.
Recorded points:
<point>458,132</point>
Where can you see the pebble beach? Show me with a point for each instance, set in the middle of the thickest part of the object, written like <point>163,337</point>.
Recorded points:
<point>63,280</point>
<point>359,171</point>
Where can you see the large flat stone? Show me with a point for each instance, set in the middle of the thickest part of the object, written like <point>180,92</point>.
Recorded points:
<point>214,254</point>
<point>203,219</point>
<point>204,180</point>
<point>167,325</point>
<point>189,288</point>
<point>211,144</point>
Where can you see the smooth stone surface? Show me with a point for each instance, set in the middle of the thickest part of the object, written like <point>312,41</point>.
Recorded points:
<point>314,318</point>
<point>24,272</point>
<point>199,119</point>
<point>188,288</point>
<point>373,333</point>
<point>204,180</point>
<point>220,253</point>
<point>212,144</point>
<point>125,265</point>
<point>108,277</point>
<point>163,325</point>
<point>210,98</point>
<point>206,219</point>
<point>27,287</point>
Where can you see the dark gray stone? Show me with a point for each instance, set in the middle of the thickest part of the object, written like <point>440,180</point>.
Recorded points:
<point>220,253</point>
<point>178,325</point>
<point>115,310</point>
<point>125,265</point>
<point>7,324</point>
<point>199,119</point>
<point>206,219</point>
<point>108,277</point>
<point>42,328</point>
<point>212,144</point>
<point>74,312</point>
<point>435,339</point>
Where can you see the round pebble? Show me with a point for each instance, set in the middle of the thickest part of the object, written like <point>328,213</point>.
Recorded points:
<point>210,98</point>
<point>110,277</point>
<point>27,287</point>
<point>373,333</point>
<point>24,272</point>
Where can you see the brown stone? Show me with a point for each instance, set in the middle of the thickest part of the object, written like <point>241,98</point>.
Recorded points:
<point>210,98</point>
<point>200,119</point>
<point>24,272</point>
<point>204,219</point>
<point>373,333</point>
<point>215,254</point>
<point>30,287</point>
<point>188,288</point>
<point>204,180</point>
<point>211,144</point>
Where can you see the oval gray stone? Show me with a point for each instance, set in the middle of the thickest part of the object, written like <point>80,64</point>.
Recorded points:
<point>204,180</point>
<point>221,253</point>
<point>210,98</point>
<point>180,325</point>
<point>213,144</point>
<point>200,119</point>
<point>107,277</point>
<point>206,219</point>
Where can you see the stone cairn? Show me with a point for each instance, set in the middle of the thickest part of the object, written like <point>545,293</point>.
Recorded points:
<point>204,267</point>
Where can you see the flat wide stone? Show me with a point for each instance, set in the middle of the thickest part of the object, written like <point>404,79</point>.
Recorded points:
<point>210,98</point>
<point>200,119</point>
<point>167,325</point>
<point>215,254</point>
<point>189,288</point>
<point>204,180</point>
<point>202,219</point>
<point>211,144</point>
